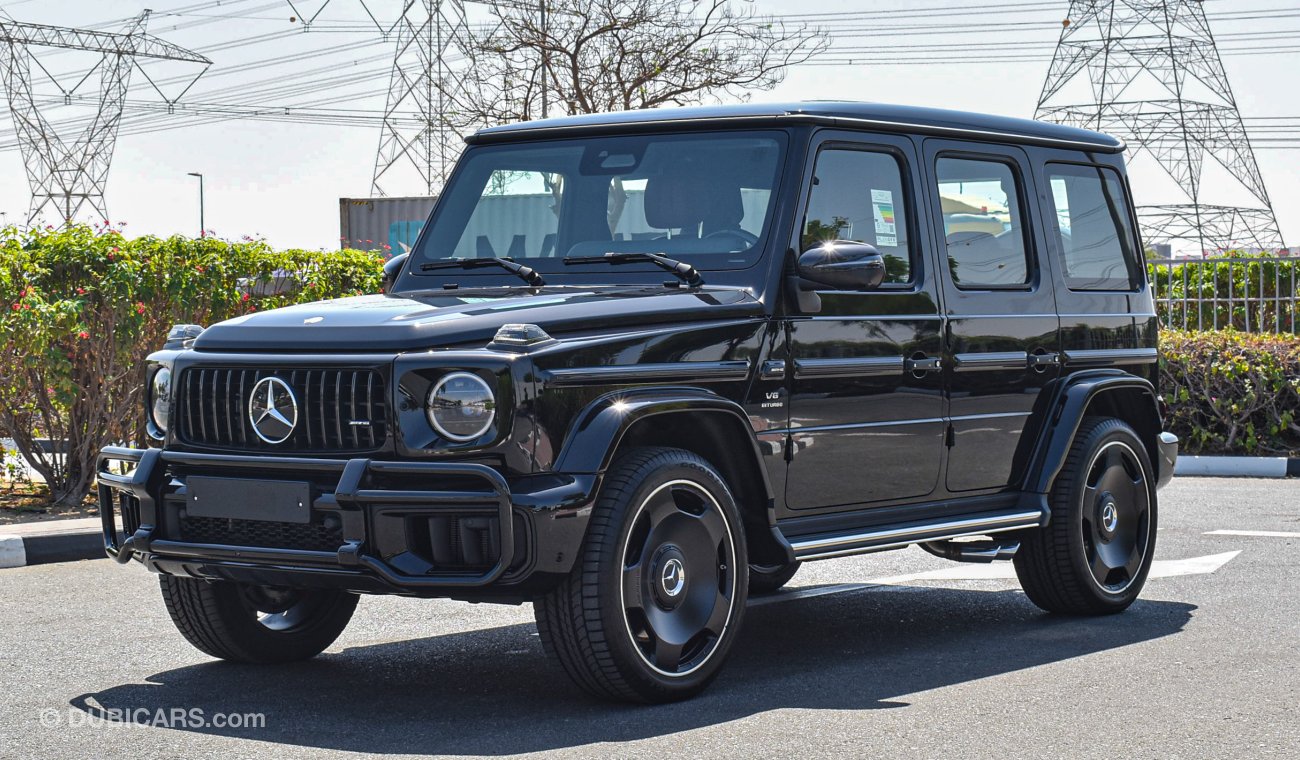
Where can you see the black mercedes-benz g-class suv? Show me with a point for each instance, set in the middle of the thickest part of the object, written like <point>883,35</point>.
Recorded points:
<point>639,366</point>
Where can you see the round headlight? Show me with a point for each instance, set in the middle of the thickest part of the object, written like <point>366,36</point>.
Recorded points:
<point>160,394</point>
<point>461,406</point>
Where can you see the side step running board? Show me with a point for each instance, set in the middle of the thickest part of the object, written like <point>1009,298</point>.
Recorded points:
<point>896,536</point>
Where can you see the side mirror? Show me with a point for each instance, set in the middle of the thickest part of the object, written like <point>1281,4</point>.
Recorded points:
<point>391,269</point>
<point>842,265</point>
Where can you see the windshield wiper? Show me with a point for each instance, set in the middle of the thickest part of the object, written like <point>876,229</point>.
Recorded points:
<point>527,274</point>
<point>680,268</point>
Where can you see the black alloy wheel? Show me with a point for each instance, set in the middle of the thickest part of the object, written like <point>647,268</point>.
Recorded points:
<point>1094,555</point>
<point>261,624</point>
<point>1116,515</point>
<point>679,578</point>
<point>656,599</point>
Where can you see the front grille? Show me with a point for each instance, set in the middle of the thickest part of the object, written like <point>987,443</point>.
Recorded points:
<point>338,409</point>
<point>261,533</point>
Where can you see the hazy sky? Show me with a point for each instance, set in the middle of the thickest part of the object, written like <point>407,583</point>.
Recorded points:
<point>283,180</point>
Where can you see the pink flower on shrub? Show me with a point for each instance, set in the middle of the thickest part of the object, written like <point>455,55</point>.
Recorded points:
<point>81,291</point>
<point>83,335</point>
<point>245,297</point>
<point>311,284</point>
<point>139,308</point>
<point>16,307</point>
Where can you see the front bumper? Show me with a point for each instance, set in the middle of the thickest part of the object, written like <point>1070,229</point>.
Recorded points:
<point>376,526</point>
<point>1168,450</point>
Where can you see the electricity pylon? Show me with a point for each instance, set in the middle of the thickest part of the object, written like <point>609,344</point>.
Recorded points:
<point>1156,80</point>
<point>433,43</point>
<point>68,175</point>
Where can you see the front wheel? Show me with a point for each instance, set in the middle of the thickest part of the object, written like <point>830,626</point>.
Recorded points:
<point>1094,555</point>
<point>655,600</point>
<point>262,624</point>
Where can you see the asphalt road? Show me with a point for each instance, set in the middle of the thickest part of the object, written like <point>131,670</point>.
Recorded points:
<point>1206,665</point>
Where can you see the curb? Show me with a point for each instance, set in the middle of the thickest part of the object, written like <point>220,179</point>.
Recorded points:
<point>53,541</point>
<point>1238,467</point>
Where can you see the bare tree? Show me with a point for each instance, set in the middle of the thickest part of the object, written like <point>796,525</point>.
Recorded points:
<point>589,56</point>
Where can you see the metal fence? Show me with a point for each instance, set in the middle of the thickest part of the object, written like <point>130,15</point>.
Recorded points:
<point>1249,294</point>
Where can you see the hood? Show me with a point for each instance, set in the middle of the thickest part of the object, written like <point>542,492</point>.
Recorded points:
<point>430,319</point>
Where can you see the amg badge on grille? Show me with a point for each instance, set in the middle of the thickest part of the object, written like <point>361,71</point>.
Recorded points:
<point>273,410</point>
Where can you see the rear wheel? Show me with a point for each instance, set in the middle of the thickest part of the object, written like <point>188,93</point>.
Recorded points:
<point>655,601</point>
<point>262,624</point>
<point>1094,555</point>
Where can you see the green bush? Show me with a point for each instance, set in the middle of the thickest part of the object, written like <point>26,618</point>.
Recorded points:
<point>82,307</point>
<point>1231,392</point>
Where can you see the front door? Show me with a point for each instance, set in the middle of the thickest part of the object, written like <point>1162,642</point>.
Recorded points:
<point>1001,344</point>
<point>866,393</point>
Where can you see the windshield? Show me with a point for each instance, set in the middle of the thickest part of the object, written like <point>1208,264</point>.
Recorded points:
<point>702,198</point>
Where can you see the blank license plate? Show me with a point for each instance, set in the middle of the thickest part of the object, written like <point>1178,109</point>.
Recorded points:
<point>243,499</point>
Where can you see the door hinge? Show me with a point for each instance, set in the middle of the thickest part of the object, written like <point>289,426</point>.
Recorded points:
<point>950,437</point>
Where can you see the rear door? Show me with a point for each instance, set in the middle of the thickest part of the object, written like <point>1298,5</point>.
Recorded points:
<point>866,399</point>
<point>1107,319</point>
<point>1001,344</point>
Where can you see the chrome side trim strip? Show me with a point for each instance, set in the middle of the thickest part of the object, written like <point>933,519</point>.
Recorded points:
<point>1112,356</point>
<point>994,360</point>
<point>692,372</point>
<point>874,366</point>
<point>891,538</point>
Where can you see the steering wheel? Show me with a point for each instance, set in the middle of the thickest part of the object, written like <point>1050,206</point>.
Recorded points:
<point>744,236</point>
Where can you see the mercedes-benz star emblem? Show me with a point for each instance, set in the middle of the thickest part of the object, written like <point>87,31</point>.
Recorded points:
<point>273,410</point>
<point>674,577</point>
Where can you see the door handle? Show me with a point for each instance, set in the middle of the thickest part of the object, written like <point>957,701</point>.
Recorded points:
<point>921,364</point>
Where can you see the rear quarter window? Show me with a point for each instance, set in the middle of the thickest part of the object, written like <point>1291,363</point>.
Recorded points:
<point>1097,243</point>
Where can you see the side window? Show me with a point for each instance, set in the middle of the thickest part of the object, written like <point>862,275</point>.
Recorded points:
<point>983,223</point>
<point>1097,242</point>
<point>858,195</point>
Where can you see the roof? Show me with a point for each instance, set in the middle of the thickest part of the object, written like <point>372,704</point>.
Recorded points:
<point>893,118</point>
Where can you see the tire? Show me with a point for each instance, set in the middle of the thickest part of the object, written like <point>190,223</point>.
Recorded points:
<point>244,623</point>
<point>1094,555</point>
<point>656,599</point>
<point>768,579</point>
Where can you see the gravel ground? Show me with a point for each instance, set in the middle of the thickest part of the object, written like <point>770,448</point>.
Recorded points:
<point>1205,665</point>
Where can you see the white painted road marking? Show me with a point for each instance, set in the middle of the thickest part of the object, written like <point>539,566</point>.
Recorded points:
<point>1161,568</point>
<point>12,551</point>
<point>1259,533</point>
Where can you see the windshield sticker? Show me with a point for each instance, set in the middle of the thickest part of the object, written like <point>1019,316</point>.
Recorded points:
<point>887,241</point>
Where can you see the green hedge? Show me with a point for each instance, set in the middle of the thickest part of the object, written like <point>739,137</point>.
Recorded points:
<point>81,307</point>
<point>1231,392</point>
